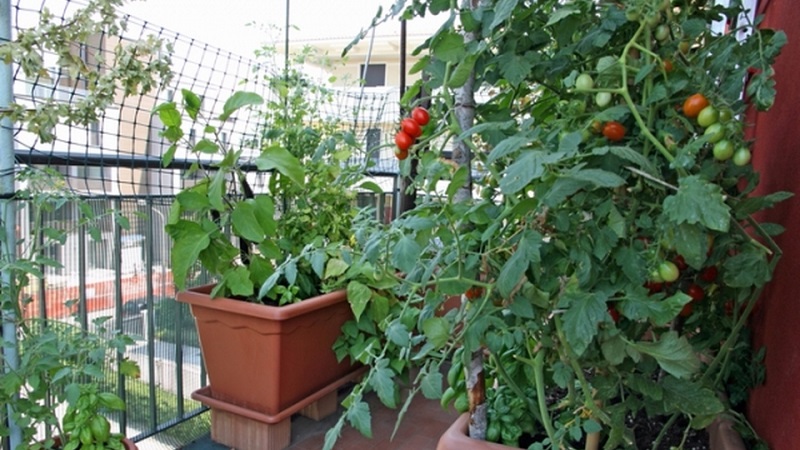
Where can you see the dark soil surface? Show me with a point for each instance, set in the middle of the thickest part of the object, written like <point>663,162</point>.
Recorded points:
<point>648,428</point>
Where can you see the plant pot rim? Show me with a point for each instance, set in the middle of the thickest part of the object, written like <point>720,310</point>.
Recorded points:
<point>199,296</point>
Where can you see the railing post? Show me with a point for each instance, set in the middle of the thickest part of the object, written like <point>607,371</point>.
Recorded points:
<point>8,213</point>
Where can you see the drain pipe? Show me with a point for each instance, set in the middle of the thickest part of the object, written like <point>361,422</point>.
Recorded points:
<point>8,214</point>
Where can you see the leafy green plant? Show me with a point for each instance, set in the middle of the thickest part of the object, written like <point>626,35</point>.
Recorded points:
<point>48,364</point>
<point>58,364</point>
<point>288,241</point>
<point>603,235</point>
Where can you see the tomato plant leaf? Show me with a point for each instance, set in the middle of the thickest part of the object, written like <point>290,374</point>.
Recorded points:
<point>359,416</point>
<point>674,354</point>
<point>527,252</point>
<point>462,71</point>
<point>383,383</point>
<point>560,15</point>
<point>406,254</point>
<point>436,330</point>
<point>507,146</point>
<point>613,350</point>
<point>448,46</point>
<point>689,397</point>
<point>631,262</point>
<point>584,311</point>
<point>515,68</point>
<point>431,384</point>
<point>691,242</point>
<point>698,201</point>
<point>751,205</point>
<point>502,11</point>
<point>747,268</point>
<point>398,333</point>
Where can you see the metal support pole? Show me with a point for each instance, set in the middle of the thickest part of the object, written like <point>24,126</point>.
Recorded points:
<point>8,214</point>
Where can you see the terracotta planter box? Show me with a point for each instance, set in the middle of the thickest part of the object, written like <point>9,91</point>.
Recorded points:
<point>722,436</point>
<point>269,359</point>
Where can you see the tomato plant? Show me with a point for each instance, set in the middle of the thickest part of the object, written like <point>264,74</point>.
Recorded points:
<point>572,196</point>
<point>614,131</point>
<point>694,104</point>
<point>420,115</point>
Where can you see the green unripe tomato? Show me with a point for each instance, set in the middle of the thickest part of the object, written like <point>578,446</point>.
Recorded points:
<point>725,115</point>
<point>662,33</point>
<point>741,157</point>
<point>602,99</point>
<point>584,82</point>
<point>715,132</point>
<point>723,150</point>
<point>708,116</point>
<point>653,19</point>
<point>668,271</point>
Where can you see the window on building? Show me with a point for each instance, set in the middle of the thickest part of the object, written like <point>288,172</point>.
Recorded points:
<point>374,75</point>
<point>94,134</point>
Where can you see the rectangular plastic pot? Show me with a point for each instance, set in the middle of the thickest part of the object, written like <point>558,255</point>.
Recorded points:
<point>269,358</point>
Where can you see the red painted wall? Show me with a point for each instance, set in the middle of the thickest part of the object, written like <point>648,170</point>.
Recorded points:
<point>774,408</point>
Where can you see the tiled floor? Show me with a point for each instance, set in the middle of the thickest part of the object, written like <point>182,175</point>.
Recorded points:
<point>423,424</point>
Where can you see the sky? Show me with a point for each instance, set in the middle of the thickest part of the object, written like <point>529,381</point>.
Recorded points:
<point>223,23</point>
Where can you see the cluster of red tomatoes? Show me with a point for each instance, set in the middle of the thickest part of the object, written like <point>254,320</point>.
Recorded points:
<point>410,130</point>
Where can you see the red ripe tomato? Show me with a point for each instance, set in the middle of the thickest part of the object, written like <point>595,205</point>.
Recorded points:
<point>612,311</point>
<point>680,262</point>
<point>667,65</point>
<point>613,131</point>
<point>709,274</point>
<point>420,115</point>
<point>654,287</point>
<point>474,292</point>
<point>403,140</point>
<point>687,309</point>
<point>696,292</point>
<point>411,127</point>
<point>694,104</point>
<point>400,153</point>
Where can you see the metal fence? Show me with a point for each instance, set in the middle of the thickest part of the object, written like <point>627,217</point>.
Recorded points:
<point>115,164</point>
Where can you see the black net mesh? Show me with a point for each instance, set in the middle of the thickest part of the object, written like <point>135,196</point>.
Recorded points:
<point>115,164</point>
<point>120,153</point>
